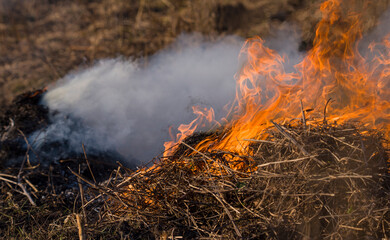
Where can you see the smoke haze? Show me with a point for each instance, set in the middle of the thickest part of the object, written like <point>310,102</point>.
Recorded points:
<point>129,105</point>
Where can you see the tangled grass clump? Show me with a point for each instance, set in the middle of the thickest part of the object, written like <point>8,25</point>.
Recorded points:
<point>318,181</point>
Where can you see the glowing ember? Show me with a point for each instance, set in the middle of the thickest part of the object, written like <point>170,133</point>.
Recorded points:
<point>333,69</point>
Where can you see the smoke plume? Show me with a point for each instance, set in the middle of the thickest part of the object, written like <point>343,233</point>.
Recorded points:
<point>129,105</point>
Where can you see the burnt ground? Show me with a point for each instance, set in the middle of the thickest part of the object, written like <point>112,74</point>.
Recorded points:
<point>38,188</point>
<point>25,116</point>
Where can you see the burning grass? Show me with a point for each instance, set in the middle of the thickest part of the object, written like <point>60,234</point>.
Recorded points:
<point>316,181</point>
<point>311,180</point>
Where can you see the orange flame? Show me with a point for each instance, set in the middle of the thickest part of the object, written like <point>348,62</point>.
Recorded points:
<point>204,117</point>
<point>333,68</point>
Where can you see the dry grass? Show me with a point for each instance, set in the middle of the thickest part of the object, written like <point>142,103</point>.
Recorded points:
<point>319,181</point>
<point>337,188</point>
<point>52,206</point>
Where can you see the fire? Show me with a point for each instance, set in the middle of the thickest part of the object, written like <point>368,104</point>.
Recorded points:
<point>333,69</point>
<point>204,117</point>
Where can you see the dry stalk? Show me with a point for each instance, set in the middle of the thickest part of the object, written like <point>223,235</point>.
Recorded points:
<point>290,138</point>
<point>326,105</point>
<point>80,227</point>
<point>303,115</point>
<point>335,193</point>
<point>89,166</point>
<point>82,196</point>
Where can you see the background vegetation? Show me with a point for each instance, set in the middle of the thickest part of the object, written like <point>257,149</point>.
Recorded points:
<point>42,40</point>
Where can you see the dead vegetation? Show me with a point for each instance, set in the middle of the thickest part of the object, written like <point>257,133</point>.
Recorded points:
<point>305,180</point>
<point>299,180</point>
<point>316,182</point>
<point>320,181</point>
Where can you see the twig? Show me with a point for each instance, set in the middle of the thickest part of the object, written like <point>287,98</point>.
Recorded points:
<point>204,155</point>
<point>192,219</point>
<point>27,155</point>
<point>326,105</point>
<point>7,180</point>
<point>7,175</point>
<point>89,166</point>
<point>289,137</point>
<point>347,144</point>
<point>129,178</point>
<point>80,227</point>
<point>30,184</point>
<point>27,151</point>
<point>109,192</point>
<point>85,180</point>
<point>21,185</point>
<point>50,179</point>
<point>363,149</point>
<point>140,11</point>
<point>353,228</point>
<point>303,115</point>
<point>258,140</point>
<point>92,200</point>
<point>308,194</point>
<point>332,177</point>
<point>200,153</point>
<point>81,195</point>
<point>285,161</point>
<point>227,212</point>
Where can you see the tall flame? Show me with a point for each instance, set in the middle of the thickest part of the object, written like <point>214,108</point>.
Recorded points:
<point>334,68</point>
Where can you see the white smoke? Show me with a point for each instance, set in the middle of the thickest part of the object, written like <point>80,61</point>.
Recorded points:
<point>129,105</point>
